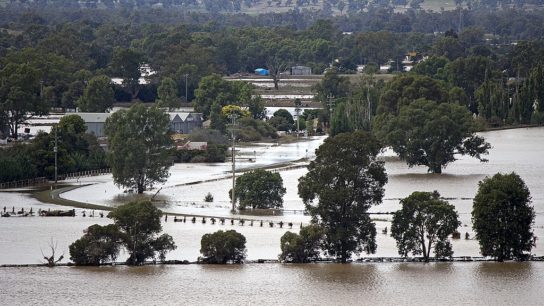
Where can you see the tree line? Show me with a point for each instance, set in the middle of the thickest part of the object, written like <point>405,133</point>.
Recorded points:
<point>67,65</point>
<point>344,181</point>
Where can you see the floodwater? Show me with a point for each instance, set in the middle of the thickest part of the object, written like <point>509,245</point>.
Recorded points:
<point>513,150</point>
<point>475,283</point>
<point>22,240</point>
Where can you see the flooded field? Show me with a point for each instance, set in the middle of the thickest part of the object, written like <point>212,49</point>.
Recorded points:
<point>22,240</point>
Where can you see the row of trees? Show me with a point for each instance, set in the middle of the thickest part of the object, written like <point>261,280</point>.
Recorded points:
<point>346,179</point>
<point>502,221</point>
<point>505,21</point>
<point>136,229</point>
<point>66,66</point>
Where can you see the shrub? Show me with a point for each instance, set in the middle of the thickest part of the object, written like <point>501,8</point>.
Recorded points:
<point>208,198</point>
<point>303,247</point>
<point>98,245</point>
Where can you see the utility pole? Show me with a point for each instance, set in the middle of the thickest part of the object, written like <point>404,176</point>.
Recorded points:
<point>233,118</point>
<point>186,93</point>
<point>297,111</point>
<point>330,104</point>
<point>55,149</point>
<point>369,108</point>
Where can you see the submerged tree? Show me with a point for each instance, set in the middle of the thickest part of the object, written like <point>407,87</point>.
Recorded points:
<point>431,134</point>
<point>139,224</point>
<point>425,221</point>
<point>222,247</point>
<point>342,183</point>
<point>502,217</point>
<point>98,245</point>
<point>302,247</point>
<point>259,189</point>
<point>139,146</point>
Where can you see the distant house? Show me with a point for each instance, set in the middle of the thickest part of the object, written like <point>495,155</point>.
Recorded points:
<point>196,145</point>
<point>181,122</point>
<point>385,68</point>
<point>301,70</point>
<point>94,122</point>
<point>184,123</point>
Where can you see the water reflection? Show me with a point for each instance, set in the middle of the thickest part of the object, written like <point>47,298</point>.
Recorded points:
<point>431,267</point>
<point>519,270</point>
<point>340,274</point>
<point>472,283</point>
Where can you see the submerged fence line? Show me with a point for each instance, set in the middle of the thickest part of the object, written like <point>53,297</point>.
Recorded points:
<point>24,183</point>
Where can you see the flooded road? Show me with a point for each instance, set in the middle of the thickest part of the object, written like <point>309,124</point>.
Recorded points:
<point>474,283</point>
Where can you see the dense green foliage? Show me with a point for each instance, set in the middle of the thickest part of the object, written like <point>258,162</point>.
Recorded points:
<point>167,94</point>
<point>259,189</point>
<point>139,147</point>
<point>77,151</point>
<point>66,48</point>
<point>98,96</point>
<point>502,217</point>
<point>139,225</point>
<point>136,228</point>
<point>431,134</point>
<point>20,95</point>
<point>424,222</point>
<point>282,120</point>
<point>214,89</point>
<point>342,183</point>
<point>302,247</point>
<point>52,54</point>
<point>222,247</point>
<point>97,246</point>
<point>214,153</point>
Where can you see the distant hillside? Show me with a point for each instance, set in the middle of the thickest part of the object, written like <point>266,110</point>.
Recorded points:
<point>252,7</point>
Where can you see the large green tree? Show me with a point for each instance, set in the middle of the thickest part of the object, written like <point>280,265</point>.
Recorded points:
<point>259,189</point>
<point>214,89</point>
<point>98,245</point>
<point>340,122</point>
<point>406,88</point>
<point>424,221</point>
<point>139,224</point>
<point>431,134</point>
<point>98,96</point>
<point>502,217</point>
<point>342,183</point>
<point>167,93</point>
<point>125,64</point>
<point>282,120</point>
<point>139,146</point>
<point>20,95</point>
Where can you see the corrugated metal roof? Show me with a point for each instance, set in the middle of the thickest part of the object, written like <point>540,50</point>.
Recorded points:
<point>92,117</point>
<point>173,116</point>
<point>183,115</point>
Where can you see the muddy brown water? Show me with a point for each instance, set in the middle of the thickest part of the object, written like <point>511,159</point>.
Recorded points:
<point>272,284</point>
